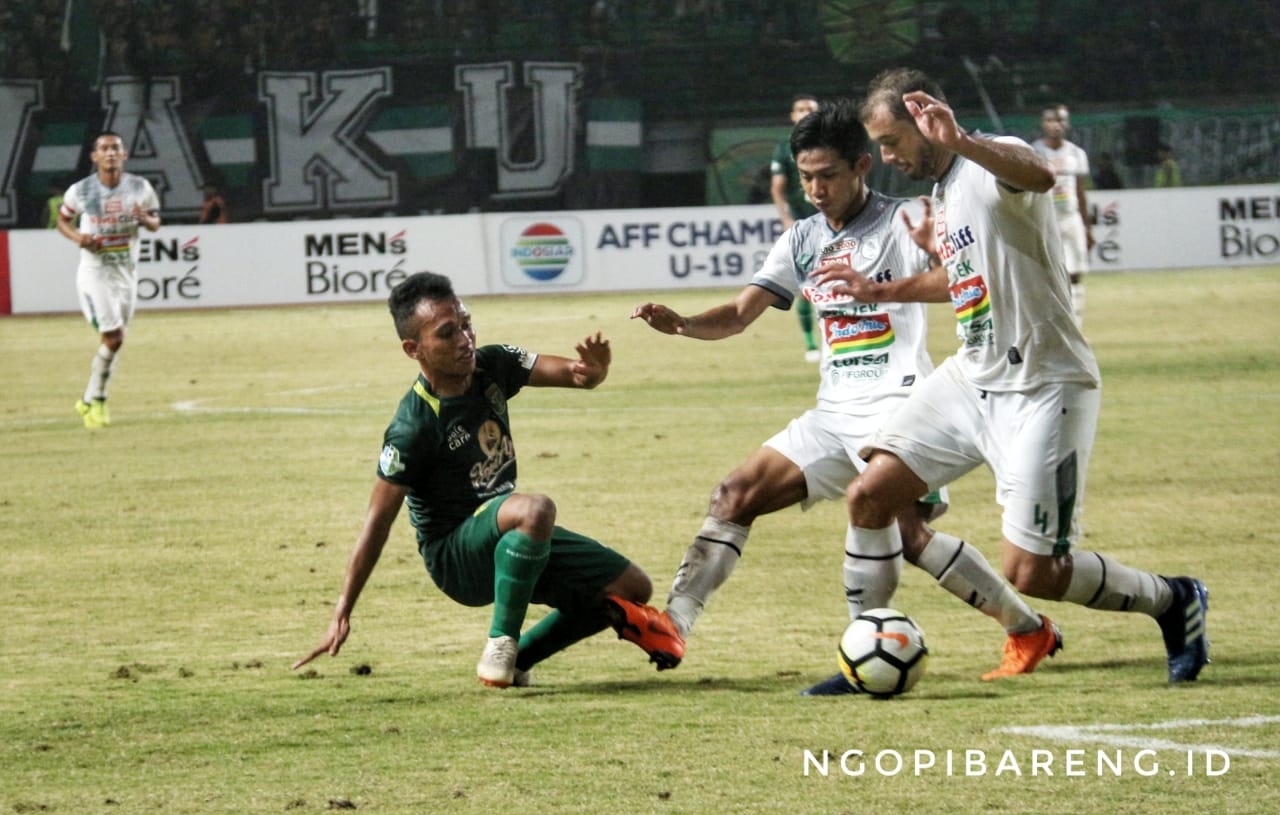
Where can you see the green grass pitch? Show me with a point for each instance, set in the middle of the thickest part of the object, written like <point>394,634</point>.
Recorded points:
<point>160,576</point>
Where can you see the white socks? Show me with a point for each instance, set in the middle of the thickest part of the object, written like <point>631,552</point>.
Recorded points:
<point>99,374</point>
<point>872,566</point>
<point>1101,583</point>
<point>962,570</point>
<point>707,564</point>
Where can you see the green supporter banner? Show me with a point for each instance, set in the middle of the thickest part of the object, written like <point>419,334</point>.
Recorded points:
<point>739,169</point>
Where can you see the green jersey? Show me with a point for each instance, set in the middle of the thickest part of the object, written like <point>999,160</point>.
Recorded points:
<point>455,453</point>
<point>783,163</point>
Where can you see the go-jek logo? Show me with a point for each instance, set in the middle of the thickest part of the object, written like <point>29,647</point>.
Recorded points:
<point>541,252</point>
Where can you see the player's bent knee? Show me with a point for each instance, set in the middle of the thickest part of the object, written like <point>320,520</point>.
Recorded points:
<point>871,505</point>
<point>633,584</point>
<point>535,515</point>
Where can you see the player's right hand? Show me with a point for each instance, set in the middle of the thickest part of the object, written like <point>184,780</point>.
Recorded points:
<point>660,318</point>
<point>337,634</point>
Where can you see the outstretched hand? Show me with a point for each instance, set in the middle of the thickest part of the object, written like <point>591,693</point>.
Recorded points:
<point>592,365</point>
<point>337,634</point>
<point>660,318</point>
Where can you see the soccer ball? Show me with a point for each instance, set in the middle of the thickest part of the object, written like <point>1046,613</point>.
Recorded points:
<point>883,653</point>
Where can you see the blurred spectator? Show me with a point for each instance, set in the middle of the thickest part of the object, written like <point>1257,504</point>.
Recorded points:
<point>53,203</point>
<point>214,210</point>
<point>1168,173</point>
<point>1105,174</point>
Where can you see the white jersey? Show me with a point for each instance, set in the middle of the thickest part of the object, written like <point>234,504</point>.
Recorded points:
<point>1008,284</point>
<point>108,213</point>
<point>869,350</point>
<point>1068,162</point>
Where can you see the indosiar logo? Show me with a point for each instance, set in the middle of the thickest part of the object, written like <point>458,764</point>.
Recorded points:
<point>544,252</point>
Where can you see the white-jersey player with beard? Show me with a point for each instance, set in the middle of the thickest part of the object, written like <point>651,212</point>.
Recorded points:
<point>873,355</point>
<point>1021,394</point>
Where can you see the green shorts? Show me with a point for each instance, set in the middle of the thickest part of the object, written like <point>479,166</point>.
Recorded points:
<point>461,563</point>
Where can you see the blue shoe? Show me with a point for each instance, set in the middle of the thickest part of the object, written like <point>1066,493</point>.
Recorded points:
<point>834,686</point>
<point>1184,626</point>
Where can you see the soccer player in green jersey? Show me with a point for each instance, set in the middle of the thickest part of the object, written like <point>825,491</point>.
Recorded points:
<point>448,452</point>
<point>793,205</point>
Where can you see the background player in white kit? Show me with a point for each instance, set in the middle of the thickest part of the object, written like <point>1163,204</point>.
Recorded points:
<point>1022,393</point>
<point>101,214</point>
<point>1070,165</point>
<point>873,355</point>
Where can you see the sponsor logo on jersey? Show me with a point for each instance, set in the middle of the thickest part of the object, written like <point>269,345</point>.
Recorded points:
<point>850,335</point>
<point>822,297</point>
<point>970,299</point>
<point>389,463</point>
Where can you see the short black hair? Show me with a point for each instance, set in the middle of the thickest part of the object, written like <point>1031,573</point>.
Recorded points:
<point>888,88</point>
<point>411,291</point>
<point>835,125</point>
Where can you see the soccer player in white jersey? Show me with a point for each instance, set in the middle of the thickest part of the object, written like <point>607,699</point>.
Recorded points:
<point>101,214</point>
<point>873,356</point>
<point>1022,393</point>
<point>1070,165</point>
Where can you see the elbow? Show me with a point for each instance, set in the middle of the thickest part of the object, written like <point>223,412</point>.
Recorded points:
<point>1041,182</point>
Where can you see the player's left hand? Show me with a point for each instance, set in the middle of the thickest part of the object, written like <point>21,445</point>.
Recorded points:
<point>934,118</point>
<point>592,365</point>
<point>922,231</point>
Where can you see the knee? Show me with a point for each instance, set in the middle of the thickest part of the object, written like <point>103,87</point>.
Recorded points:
<point>537,516</point>
<point>871,506</point>
<point>113,340</point>
<point>633,584</point>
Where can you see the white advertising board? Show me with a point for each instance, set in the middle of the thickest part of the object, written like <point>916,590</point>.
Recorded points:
<point>185,266</point>
<point>1182,228</point>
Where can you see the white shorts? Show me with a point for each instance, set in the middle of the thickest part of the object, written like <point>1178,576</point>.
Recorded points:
<point>824,444</point>
<point>107,299</point>
<point>1075,244</point>
<point>1036,443</point>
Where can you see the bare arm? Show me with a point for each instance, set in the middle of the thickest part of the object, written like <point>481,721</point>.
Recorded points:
<point>1017,165</point>
<point>715,323</point>
<point>384,506</point>
<point>930,287</point>
<point>149,218</point>
<point>588,370</point>
<point>69,231</point>
<point>778,192</point>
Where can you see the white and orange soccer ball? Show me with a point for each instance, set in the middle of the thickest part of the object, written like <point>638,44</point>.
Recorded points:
<point>883,653</point>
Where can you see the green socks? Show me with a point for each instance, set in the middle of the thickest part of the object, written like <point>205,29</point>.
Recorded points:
<point>518,562</point>
<point>556,632</point>
<point>804,312</point>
